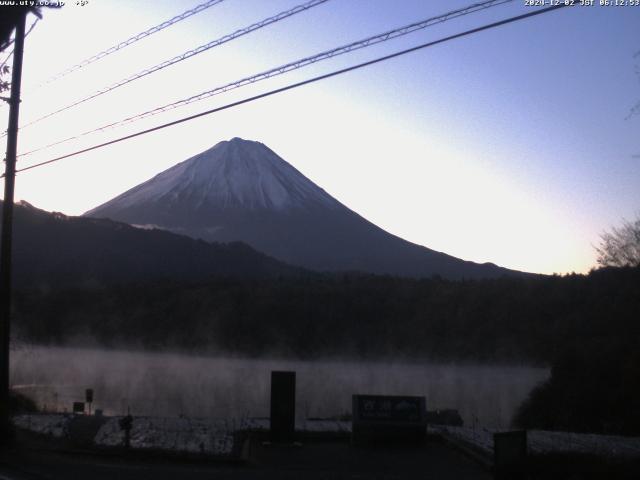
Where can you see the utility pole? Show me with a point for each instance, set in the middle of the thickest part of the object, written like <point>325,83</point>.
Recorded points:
<point>7,228</point>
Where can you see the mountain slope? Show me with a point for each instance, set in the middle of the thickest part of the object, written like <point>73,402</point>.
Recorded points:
<point>241,190</point>
<point>51,249</point>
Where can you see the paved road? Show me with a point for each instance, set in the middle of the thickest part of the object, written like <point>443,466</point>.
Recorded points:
<point>314,461</point>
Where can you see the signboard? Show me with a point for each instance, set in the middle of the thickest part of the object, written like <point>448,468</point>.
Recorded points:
<point>379,417</point>
<point>378,408</point>
<point>78,407</point>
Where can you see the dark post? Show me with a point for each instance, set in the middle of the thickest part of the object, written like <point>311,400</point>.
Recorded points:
<point>7,227</point>
<point>126,424</point>
<point>283,406</point>
<point>88,397</point>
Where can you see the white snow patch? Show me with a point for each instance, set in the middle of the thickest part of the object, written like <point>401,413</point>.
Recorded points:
<point>543,442</point>
<point>209,436</point>
<point>192,435</point>
<point>54,425</point>
<point>148,226</point>
<point>235,173</point>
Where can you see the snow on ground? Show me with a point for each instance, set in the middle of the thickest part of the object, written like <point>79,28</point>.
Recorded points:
<point>542,442</point>
<point>315,426</point>
<point>54,425</point>
<point>309,426</point>
<point>211,436</point>
<point>191,435</point>
<point>601,445</point>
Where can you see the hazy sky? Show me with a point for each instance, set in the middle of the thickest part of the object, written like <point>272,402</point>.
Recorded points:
<point>511,146</point>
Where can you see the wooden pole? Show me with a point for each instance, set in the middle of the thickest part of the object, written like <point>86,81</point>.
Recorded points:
<point>7,228</point>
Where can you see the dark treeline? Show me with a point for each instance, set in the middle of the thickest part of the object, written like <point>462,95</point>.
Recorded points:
<point>594,387</point>
<point>529,320</point>
<point>586,327</point>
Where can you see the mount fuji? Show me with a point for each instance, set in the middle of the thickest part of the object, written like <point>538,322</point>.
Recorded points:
<point>240,190</point>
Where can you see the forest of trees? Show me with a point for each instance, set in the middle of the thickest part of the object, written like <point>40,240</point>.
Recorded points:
<point>510,320</point>
<point>585,326</point>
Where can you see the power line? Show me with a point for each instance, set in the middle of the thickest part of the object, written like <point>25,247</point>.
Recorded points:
<point>188,54</point>
<point>7,44</point>
<point>131,40</point>
<point>4,62</point>
<point>372,40</point>
<point>31,27</point>
<point>302,83</point>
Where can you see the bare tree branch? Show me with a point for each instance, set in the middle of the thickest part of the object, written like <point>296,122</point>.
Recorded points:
<point>620,247</point>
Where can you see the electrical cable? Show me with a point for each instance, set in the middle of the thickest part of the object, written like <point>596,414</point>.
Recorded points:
<point>372,40</point>
<point>302,83</point>
<point>188,54</point>
<point>4,62</point>
<point>172,21</point>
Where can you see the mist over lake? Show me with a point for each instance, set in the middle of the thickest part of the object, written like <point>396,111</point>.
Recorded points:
<point>169,384</point>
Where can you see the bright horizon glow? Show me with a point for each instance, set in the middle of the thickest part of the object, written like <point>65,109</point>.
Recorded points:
<point>509,146</point>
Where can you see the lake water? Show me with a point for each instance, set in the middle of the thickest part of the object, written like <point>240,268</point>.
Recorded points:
<point>172,384</point>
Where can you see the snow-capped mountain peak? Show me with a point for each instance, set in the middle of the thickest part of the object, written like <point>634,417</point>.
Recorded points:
<point>233,174</point>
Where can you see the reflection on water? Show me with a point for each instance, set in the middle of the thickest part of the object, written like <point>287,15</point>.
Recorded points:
<point>172,384</point>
